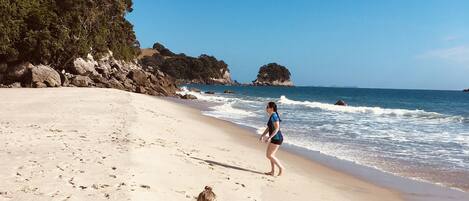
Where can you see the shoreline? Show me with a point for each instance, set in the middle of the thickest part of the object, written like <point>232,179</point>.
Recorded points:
<point>410,189</point>
<point>101,144</point>
<point>289,152</point>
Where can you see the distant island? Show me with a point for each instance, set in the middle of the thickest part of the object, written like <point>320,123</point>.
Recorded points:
<point>273,74</point>
<point>466,90</point>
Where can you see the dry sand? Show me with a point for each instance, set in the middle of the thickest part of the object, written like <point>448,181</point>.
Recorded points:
<point>105,144</point>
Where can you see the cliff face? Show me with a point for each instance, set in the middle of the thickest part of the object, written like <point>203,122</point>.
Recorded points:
<point>273,74</point>
<point>51,43</point>
<point>204,69</point>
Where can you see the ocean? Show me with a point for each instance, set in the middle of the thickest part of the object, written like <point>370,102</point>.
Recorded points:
<point>417,134</point>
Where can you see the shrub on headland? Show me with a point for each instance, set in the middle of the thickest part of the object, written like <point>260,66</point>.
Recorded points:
<point>81,43</point>
<point>273,74</point>
<point>204,69</point>
<point>273,71</point>
<point>55,32</point>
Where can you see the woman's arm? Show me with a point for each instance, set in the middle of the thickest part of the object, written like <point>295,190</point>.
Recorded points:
<point>264,134</point>
<point>277,128</point>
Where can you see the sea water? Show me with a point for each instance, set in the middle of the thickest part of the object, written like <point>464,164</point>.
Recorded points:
<point>418,134</point>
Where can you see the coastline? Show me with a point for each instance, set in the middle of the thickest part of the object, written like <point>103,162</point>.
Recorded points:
<point>100,144</point>
<point>408,188</point>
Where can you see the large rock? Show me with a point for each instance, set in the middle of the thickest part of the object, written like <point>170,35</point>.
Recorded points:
<point>341,103</point>
<point>115,84</point>
<point>15,85</point>
<point>81,81</point>
<point>139,77</point>
<point>188,96</point>
<point>98,78</point>
<point>104,68</point>
<point>128,85</point>
<point>84,66</point>
<point>466,90</point>
<point>44,76</point>
<point>141,89</point>
<point>119,75</point>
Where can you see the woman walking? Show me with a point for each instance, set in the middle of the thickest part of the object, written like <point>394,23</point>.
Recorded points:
<point>274,139</point>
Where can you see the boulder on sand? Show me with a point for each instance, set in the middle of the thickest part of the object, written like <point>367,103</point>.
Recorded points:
<point>139,77</point>
<point>115,84</point>
<point>44,76</point>
<point>188,96</point>
<point>84,66</point>
<point>81,81</point>
<point>141,89</point>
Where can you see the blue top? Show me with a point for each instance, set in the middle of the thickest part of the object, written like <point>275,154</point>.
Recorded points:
<point>275,117</point>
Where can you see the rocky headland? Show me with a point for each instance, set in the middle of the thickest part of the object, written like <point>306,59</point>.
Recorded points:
<point>204,69</point>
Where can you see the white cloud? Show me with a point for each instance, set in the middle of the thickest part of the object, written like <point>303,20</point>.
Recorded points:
<point>459,54</point>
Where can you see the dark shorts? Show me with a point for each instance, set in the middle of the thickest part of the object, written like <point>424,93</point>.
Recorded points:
<point>278,140</point>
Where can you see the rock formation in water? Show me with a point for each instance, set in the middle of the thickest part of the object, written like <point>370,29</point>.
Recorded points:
<point>67,43</point>
<point>204,69</point>
<point>273,74</point>
<point>341,103</point>
<point>466,90</point>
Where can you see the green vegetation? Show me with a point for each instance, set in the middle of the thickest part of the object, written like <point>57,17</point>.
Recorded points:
<point>55,32</point>
<point>272,72</point>
<point>201,69</point>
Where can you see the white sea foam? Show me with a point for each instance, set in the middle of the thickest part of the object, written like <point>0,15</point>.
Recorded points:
<point>371,110</point>
<point>227,109</point>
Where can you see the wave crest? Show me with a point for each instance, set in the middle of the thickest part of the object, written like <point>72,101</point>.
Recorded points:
<point>371,110</point>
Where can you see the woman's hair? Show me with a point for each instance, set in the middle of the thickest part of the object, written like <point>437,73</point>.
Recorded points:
<point>274,107</point>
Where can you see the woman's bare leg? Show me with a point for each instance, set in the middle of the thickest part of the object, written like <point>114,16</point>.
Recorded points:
<point>271,150</point>
<point>272,163</point>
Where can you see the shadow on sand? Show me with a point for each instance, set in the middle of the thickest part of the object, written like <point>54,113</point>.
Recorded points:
<point>210,162</point>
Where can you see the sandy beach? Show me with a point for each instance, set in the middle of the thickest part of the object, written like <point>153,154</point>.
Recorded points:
<point>106,144</point>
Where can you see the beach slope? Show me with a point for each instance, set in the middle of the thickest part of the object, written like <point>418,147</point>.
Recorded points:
<point>106,144</point>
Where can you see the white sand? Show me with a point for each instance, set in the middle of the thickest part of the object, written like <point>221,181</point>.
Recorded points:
<point>105,144</point>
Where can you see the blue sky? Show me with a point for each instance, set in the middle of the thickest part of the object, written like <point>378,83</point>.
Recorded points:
<point>417,44</point>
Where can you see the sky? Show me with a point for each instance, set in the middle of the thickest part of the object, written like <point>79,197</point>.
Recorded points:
<point>417,44</point>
